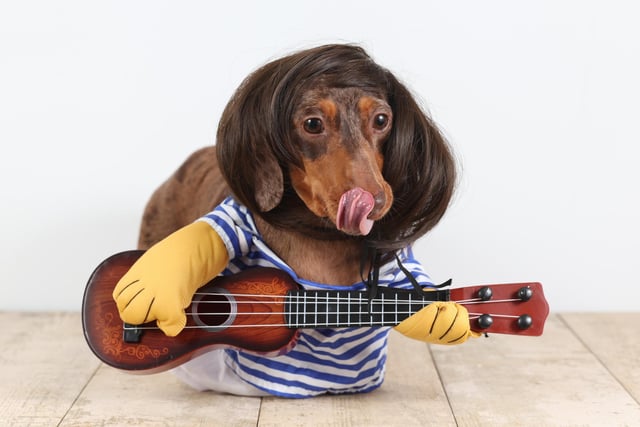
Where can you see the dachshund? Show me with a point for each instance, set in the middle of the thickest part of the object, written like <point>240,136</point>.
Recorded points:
<point>326,167</point>
<point>330,152</point>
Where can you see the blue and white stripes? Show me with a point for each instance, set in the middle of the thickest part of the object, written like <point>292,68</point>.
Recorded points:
<point>344,360</point>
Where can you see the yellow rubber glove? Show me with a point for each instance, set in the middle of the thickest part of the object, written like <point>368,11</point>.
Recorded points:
<point>438,323</point>
<point>161,283</point>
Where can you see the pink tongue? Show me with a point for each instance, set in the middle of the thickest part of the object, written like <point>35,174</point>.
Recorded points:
<point>355,205</point>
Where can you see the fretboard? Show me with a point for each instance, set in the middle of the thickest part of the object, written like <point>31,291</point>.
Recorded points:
<point>337,309</point>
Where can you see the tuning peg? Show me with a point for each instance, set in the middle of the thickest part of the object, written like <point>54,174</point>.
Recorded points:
<point>525,293</point>
<point>485,293</point>
<point>485,321</point>
<point>525,321</point>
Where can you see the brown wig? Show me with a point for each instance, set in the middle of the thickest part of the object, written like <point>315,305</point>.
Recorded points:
<point>255,146</point>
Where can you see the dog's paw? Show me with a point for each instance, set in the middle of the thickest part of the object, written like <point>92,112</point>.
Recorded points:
<point>139,302</point>
<point>438,323</point>
<point>161,283</point>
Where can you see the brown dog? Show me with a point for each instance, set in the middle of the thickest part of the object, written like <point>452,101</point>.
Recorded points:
<point>331,154</point>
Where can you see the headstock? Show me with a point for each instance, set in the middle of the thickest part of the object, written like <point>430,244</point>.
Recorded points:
<point>514,308</point>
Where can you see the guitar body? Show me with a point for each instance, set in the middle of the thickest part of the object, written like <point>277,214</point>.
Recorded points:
<point>260,310</point>
<point>218,320</point>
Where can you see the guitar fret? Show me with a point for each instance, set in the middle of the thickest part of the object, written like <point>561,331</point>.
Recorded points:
<point>371,312</point>
<point>298,311</point>
<point>295,304</point>
<point>326,306</point>
<point>288,308</point>
<point>301,309</point>
<point>395,319</point>
<point>315,311</point>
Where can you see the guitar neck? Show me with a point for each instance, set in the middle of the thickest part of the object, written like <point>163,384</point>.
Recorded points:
<point>337,309</point>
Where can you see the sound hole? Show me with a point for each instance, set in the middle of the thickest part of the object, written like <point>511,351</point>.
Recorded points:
<point>214,309</point>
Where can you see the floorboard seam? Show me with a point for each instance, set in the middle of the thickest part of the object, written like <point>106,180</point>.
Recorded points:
<point>600,361</point>
<point>95,371</point>
<point>444,388</point>
<point>259,411</point>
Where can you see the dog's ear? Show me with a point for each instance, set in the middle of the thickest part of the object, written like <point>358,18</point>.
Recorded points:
<point>269,183</point>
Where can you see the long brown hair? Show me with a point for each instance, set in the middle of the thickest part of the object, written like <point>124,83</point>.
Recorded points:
<point>255,147</point>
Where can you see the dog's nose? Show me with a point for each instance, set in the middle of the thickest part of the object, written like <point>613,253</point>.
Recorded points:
<point>380,208</point>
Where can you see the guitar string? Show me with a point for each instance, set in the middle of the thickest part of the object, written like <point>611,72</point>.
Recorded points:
<point>385,313</point>
<point>325,299</point>
<point>343,301</point>
<point>340,302</point>
<point>337,298</point>
<point>472,316</point>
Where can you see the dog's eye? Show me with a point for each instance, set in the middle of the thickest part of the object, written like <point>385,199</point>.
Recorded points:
<point>380,121</point>
<point>314,125</point>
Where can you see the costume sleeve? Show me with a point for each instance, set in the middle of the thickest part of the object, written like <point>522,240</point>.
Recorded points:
<point>234,223</point>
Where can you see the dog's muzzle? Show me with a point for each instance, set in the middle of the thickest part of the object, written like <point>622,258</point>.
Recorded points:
<point>353,212</point>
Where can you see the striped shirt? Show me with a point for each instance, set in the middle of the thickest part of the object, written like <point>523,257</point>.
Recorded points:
<point>324,360</point>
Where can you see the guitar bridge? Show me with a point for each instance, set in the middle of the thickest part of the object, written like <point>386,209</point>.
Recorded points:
<point>131,333</point>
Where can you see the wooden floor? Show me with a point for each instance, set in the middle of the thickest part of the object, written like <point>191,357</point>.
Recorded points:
<point>584,370</point>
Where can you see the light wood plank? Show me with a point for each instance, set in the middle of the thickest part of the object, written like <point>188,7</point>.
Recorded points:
<point>552,380</point>
<point>583,374</point>
<point>44,363</point>
<point>115,398</point>
<point>614,339</point>
<point>410,396</point>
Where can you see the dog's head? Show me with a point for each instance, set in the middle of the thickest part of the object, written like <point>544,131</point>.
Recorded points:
<point>327,142</point>
<point>339,133</point>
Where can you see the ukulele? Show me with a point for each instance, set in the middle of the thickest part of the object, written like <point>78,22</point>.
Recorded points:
<point>261,310</point>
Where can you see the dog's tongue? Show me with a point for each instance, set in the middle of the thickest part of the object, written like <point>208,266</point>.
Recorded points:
<point>355,205</point>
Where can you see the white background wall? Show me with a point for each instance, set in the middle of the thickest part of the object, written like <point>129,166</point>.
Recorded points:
<point>101,101</point>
